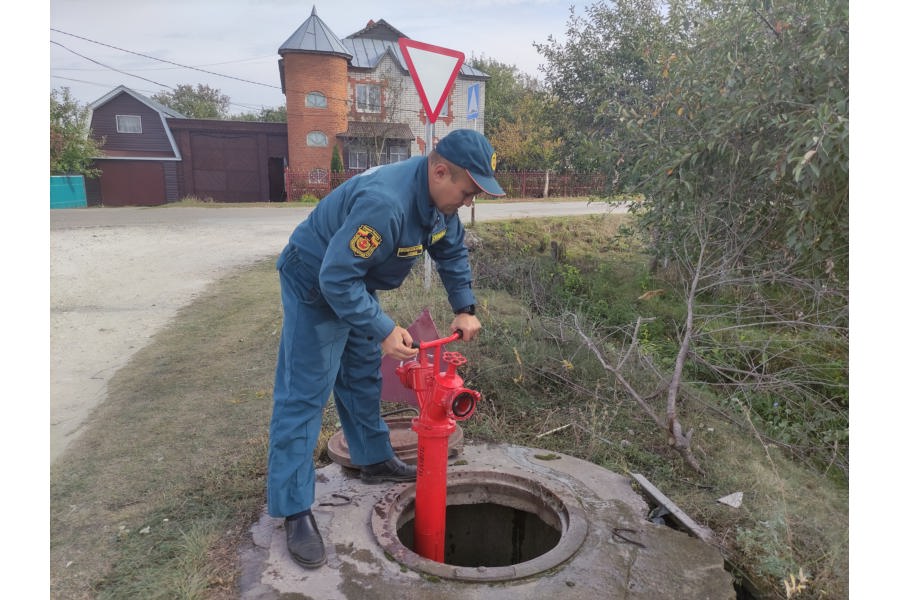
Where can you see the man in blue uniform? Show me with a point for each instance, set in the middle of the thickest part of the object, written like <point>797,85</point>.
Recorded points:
<point>363,237</point>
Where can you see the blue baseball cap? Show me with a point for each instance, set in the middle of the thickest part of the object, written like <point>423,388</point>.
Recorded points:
<point>472,151</point>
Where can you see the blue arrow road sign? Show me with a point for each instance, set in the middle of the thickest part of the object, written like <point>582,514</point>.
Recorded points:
<point>472,105</point>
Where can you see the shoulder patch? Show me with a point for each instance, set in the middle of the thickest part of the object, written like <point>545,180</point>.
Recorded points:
<point>364,241</point>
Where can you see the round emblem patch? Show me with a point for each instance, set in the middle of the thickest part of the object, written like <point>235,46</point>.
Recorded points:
<point>364,241</point>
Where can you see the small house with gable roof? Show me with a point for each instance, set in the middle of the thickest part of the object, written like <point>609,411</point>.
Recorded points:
<point>153,155</point>
<point>140,155</point>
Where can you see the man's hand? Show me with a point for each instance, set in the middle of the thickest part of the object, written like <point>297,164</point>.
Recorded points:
<point>398,344</point>
<point>468,324</point>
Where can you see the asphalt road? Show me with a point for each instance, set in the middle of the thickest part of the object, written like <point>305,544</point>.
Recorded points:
<point>118,275</point>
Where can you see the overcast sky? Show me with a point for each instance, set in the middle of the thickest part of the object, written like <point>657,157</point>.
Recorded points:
<point>240,39</point>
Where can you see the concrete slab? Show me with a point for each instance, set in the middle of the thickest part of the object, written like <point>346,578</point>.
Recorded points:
<point>663,563</point>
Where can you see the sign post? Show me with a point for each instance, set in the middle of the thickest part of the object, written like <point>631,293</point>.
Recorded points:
<point>433,70</point>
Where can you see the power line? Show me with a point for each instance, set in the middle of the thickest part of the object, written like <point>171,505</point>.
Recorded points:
<point>332,98</point>
<point>160,60</point>
<point>109,67</point>
<point>106,85</point>
<point>173,68</point>
<point>103,85</point>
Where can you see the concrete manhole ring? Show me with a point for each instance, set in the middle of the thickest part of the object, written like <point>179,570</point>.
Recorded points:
<point>537,525</point>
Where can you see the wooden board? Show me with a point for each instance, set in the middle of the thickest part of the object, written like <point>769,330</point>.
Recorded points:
<point>704,533</point>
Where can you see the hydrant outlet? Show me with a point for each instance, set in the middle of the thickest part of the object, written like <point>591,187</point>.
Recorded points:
<point>463,404</point>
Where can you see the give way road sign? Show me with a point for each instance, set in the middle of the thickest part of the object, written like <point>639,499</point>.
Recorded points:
<point>433,70</point>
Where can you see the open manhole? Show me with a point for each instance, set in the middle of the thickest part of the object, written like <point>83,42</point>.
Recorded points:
<point>499,526</point>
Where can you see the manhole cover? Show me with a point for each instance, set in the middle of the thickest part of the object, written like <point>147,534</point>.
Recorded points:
<point>403,439</point>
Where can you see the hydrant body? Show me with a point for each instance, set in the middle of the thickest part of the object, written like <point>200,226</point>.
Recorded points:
<point>442,401</point>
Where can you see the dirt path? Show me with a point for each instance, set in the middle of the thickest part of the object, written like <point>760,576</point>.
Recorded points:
<point>118,275</point>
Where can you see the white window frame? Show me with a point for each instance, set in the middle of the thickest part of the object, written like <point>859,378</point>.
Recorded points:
<point>368,98</point>
<point>313,136</point>
<point>357,158</point>
<point>316,100</point>
<point>397,153</point>
<point>129,124</point>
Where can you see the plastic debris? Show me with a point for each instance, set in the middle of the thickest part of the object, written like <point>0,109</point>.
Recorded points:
<point>733,500</point>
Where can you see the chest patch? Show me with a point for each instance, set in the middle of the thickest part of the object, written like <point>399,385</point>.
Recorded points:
<point>364,241</point>
<point>436,237</point>
<point>410,251</point>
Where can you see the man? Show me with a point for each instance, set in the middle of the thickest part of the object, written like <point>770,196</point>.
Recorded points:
<point>363,237</point>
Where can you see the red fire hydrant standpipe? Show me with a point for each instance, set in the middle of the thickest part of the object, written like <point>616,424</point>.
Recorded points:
<point>442,401</point>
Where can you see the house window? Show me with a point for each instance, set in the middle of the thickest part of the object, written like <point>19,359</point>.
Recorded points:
<point>357,158</point>
<point>368,98</point>
<point>398,153</point>
<point>316,100</point>
<point>318,176</point>
<point>316,138</point>
<point>128,124</point>
<point>361,156</point>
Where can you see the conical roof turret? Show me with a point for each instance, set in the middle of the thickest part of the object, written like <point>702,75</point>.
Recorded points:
<point>314,36</point>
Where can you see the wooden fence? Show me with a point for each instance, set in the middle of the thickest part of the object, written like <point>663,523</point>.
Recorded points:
<point>517,184</point>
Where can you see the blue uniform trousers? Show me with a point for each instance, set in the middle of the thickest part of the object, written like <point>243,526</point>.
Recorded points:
<point>319,353</point>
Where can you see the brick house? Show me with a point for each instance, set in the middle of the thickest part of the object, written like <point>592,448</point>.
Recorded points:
<point>357,93</point>
<point>354,94</point>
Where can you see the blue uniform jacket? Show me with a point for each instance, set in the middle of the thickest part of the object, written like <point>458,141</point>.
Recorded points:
<point>367,234</point>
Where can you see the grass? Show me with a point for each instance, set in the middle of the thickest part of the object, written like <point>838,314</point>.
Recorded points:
<point>155,496</point>
<point>170,471</point>
<point>543,381</point>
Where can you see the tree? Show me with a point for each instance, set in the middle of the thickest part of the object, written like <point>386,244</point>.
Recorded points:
<point>337,163</point>
<point>503,92</point>
<point>72,150</point>
<point>730,122</point>
<point>265,115</point>
<point>203,102</point>
<point>741,107</point>
<point>599,69</point>
<point>516,119</point>
<point>527,141</point>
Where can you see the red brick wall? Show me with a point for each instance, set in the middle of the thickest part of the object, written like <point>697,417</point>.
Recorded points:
<point>304,73</point>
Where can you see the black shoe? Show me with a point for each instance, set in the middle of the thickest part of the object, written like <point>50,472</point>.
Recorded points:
<point>392,469</point>
<point>304,541</point>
